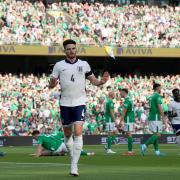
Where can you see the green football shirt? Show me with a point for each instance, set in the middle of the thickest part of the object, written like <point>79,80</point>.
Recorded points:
<point>129,116</point>
<point>154,100</point>
<point>51,141</point>
<point>108,107</point>
<point>92,127</point>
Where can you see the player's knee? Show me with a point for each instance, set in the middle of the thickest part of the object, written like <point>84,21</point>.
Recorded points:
<point>77,129</point>
<point>158,134</point>
<point>79,133</point>
<point>67,132</point>
<point>129,134</point>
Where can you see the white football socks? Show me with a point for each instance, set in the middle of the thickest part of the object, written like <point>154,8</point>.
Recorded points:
<point>77,147</point>
<point>69,144</point>
<point>178,142</point>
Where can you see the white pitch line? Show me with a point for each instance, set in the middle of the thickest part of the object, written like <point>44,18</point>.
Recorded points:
<point>26,163</point>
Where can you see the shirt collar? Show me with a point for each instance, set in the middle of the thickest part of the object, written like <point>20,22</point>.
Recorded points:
<point>70,62</point>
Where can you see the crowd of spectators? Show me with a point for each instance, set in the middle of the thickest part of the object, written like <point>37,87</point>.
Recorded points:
<point>26,103</point>
<point>23,22</point>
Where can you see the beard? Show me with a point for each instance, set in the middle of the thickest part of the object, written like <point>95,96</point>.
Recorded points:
<point>71,56</point>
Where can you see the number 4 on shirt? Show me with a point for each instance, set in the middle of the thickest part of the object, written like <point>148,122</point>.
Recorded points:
<point>72,78</point>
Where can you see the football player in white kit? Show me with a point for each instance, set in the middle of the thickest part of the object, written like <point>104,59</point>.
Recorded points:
<point>174,114</point>
<point>72,73</point>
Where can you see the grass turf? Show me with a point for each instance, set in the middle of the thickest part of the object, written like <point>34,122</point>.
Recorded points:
<point>18,165</point>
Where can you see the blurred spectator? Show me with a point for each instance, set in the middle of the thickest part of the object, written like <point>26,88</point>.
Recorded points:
<point>26,103</point>
<point>22,22</point>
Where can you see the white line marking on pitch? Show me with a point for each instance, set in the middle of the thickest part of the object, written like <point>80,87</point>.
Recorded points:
<point>26,163</point>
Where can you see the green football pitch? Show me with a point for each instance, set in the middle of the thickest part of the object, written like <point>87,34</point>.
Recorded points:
<point>18,165</point>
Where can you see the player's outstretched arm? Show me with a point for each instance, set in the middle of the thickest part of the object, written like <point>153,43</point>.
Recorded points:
<point>122,117</point>
<point>112,114</point>
<point>164,119</point>
<point>39,150</point>
<point>97,82</point>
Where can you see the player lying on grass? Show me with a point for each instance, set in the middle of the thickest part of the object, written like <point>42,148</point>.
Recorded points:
<point>52,144</point>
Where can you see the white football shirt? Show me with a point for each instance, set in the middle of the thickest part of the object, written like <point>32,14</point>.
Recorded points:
<point>72,78</point>
<point>175,107</point>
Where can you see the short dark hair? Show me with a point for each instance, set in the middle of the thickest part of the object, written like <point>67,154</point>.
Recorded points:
<point>35,132</point>
<point>155,86</point>
<point>125,90</point>
<point>68,41</point>
<point>174,91</point>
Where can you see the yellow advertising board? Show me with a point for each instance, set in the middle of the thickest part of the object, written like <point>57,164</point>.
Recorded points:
<point>89,51</point>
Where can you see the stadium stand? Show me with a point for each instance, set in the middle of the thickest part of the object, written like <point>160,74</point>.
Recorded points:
<point>98,23</point>
<point>25,101</point>
<point>27,104</point>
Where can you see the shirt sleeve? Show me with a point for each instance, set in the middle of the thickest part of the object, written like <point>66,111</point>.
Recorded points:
<point>112,105</point>
<point>55,72</point>
<point>88,70</point>
<point>159,100</point>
